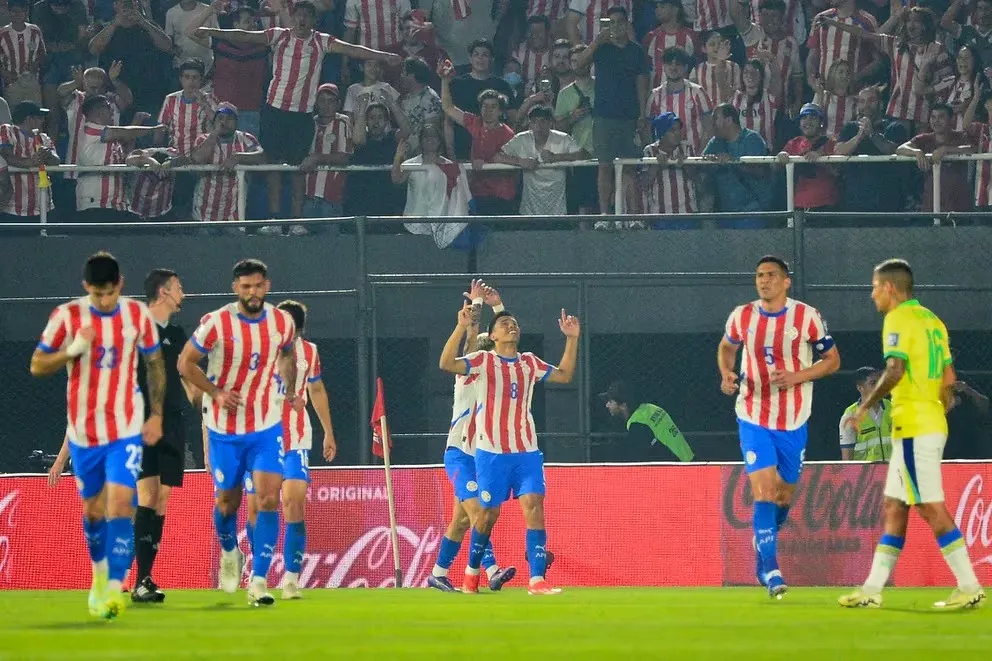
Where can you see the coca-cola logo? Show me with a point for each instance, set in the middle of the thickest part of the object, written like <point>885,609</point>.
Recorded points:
<point>368,562</point>
<point>8,504</point>
<point>972,517</point>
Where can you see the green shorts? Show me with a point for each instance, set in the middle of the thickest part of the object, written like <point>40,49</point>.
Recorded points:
<point>614,138</point>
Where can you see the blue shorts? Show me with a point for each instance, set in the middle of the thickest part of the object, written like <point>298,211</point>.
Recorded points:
<point>118,463</point>
<point>296,466</point>
<point>460,468</point>
<point>232,455</point>
<point>786,450</point>
<point>521,473</point>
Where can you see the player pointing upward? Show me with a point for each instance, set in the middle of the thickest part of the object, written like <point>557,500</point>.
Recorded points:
<point>776,394</point>
<point>97,339</point>
<point>246,342</point>
<point>920,376</point>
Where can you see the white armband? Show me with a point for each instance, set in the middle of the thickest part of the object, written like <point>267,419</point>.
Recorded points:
<point>499,307</point>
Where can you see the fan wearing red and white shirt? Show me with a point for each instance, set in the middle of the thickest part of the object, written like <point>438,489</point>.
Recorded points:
<point>669,188</point>
<point>97,339</point>
<point>770,38</point>
<point>216,195</point>
<point>718,75</point>
<point>85,84</point>
<point>687,100</point>
<point>507,457</point>
<point>23,145</point>
<point>332,145</point>
<point>188,112</point>
<point>774,398</point>
<point>758,100</point>
<point>827,43</point>
<point>582,22</point>
<point>670,33</point>
<point>246,344</point>
<point>287,116</point>
<point>22,54</point>
<point>534,54</point>
<point>835,98</point>
<point>374,23</point>
<point>712,15</point>
<point>102,196</point>
<point>150,192</point>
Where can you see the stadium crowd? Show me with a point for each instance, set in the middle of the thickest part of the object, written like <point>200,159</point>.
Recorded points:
<point>158,85</point>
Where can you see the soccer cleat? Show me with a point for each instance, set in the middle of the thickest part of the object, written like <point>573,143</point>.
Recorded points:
<point>442,583</point>
<point>257,594</point>
<point>860,599</point>
<point>114,605</point>
<point>776,585</point>
<point>542,587</point>
<point>501,578</point>
<point>960,599</point>
<point>471,584</point>
<point>230,570</point>
<point>291,590</point>
<point>98,593</point>
<point>146,592</point>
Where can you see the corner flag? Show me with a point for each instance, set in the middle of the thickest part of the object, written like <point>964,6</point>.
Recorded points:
<point>379,428</point>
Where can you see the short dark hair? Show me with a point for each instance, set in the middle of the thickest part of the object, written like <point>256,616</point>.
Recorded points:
<point>774,259</point>
<point>862,374</point>
<point>193,64</point>
<point>305,5</point>
<point>101,268</point>
<point>296,310</point>
<point>772,5</point>
<point>942,107</point>
<point>91,103</point>
<point>617,9</point>
<point>496,318</point>
<point>155,280</point>
<point>898,272</point>
<point>250,266</point>
<point>540,111</point>
<point>481,43</point>
<point>418,68</point>
<point>728,111</point>
<point>540,20</point>
<point>492,94</point>
<point>674,54</point>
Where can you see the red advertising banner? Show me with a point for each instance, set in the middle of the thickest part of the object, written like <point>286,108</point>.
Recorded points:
<point>606,524</point>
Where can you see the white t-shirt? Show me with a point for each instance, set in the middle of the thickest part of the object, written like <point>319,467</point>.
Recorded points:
<point>544,189</point>
<point>376,90</point>
<point>177,20</point>
<point>426,190</point>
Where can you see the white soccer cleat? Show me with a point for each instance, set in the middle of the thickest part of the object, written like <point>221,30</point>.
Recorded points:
<point>258,593</point>
<point>230,570</point>
<point>291,590</point>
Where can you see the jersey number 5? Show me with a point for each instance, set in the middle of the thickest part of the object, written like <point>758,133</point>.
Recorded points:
<point>935,351</point>
<point>769,355</point>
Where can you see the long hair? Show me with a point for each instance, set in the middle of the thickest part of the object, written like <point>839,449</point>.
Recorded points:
<point>929,27</point>
<point>759,66</point>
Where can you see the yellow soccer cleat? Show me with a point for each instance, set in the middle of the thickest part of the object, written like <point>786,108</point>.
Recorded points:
<point>114,605</point>
<point>97,601</point>
<point>860,599</point>
<point>960,600</point>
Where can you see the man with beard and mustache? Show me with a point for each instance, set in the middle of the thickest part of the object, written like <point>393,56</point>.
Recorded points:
<point>247,342</point>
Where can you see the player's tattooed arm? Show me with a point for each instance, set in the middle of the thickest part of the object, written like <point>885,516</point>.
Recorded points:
<point>155,369</point>
<point>287,372</point>
<point>450,361</point>
<point>476,295</point>
<point>895,368</point>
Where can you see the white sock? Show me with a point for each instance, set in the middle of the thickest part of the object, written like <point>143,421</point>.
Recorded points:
<point>882,565</point>
<point>491,570</point>
<point>258,583</point>
<point>960,564</point>
<point>439,571</point>
<point>536,579</point>
<point>291,577</point>
<point>99,569</point>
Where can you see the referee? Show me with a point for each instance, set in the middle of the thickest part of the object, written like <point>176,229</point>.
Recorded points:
<point>162,464</point>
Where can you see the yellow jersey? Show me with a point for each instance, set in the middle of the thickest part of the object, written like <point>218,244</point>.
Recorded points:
<point>915,334</point>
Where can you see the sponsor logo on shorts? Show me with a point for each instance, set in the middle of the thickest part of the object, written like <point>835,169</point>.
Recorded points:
<point>472,485</point>
<point>486,496</point>
<point>219,475</point>
<point>750,457</point>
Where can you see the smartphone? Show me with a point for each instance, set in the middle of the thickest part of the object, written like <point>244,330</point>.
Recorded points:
<point>544,86</point>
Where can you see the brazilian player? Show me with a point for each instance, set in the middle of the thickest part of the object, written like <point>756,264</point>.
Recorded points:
<point>920,376</point>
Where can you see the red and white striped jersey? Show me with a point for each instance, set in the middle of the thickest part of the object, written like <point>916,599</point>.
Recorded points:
<point>982,136</point>
<point>690,104</point>
<point>97,190</point>
<point>836,45</point>
<point>104,402</point>
<point>780,341</point>
<point>705,75</point>
<point>297,431</point>
<point>242,357</point>
<point>466,404</point>
<point>658,41</point>
<point>905,102</point>
<point>671,191</point>
<point>187,119</point>
<point>24,197</point>
<point>791,9</point>
<point>216,194</point>
<point>553,9</point>
<point>19,50</point>
<point>296,65</point>
<point>760,116</point>
<point>461,9</point>
<point>960,96</point>
<point>592,11</point>
<point>504,423</point>
<point>532,64</point>
<point>839,109</point>
<point>150,192</point>
<point>333,138</point>
<point>377,21</point>
<point>712,14</point>
<point>75,116</point>
<point>785,50</point>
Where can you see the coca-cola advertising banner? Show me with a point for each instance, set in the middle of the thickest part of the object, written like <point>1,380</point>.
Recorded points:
<point>605,525</point>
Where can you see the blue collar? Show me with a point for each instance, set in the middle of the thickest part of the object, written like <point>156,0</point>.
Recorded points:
<point>100,313</point>
<point>765,313</point>
<point>249,320</point>
<point>509,360</point>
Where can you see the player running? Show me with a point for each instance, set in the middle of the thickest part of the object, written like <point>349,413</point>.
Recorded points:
<point>297,440</point>
<point>246,342</point>
<point>920,376</point>
<point>97,339</point>
<point>459,461</point>
<point>775,398</point>
<point>507,457</point>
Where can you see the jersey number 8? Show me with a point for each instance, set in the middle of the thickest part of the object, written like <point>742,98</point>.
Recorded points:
<point>514,390</point>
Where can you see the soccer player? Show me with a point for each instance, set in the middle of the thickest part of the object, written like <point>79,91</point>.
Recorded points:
<point>920,376</point>
<point>297,440</point>
<point>459,461</point>
<point>507,457</point>
<point>97,339</point>
<point>774,398</point>
<point>246,342</point>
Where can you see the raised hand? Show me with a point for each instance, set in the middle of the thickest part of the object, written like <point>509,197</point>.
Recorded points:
<point>465,315</point>
<point>491,297</point>
<point>115,69</point>
<point>476,290</point>
<point>568,324</point>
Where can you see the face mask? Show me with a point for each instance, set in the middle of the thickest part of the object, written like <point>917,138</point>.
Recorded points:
<point>513,79</point>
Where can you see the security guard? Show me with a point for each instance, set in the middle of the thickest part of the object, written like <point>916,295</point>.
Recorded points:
<point>648,423</point>
<point>873,440</point>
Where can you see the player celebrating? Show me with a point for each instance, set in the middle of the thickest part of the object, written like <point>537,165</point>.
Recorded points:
<point>97,339</point>
<point>297,440</point>
<point>507,457</point>
<point>920,376</point>
<point>775,398</point>
<point>459,461</point>
<point>246,342</point>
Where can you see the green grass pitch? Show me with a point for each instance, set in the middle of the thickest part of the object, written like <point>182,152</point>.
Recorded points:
<point>705,623</point>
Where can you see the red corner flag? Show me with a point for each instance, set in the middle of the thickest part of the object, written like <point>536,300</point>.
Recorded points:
<point>378,414</point>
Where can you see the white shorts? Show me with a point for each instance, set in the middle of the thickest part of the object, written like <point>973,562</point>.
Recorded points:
<point>914,469</point>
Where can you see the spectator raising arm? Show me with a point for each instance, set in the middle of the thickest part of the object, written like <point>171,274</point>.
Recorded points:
<point>397,174</point>
<point>216,8</point>
<point>257,37</point>
<point>453,112</point>
<point>127,134</point>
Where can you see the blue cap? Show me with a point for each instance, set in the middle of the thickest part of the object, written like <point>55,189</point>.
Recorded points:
<point>661,124</point>
<point>811,109</point>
